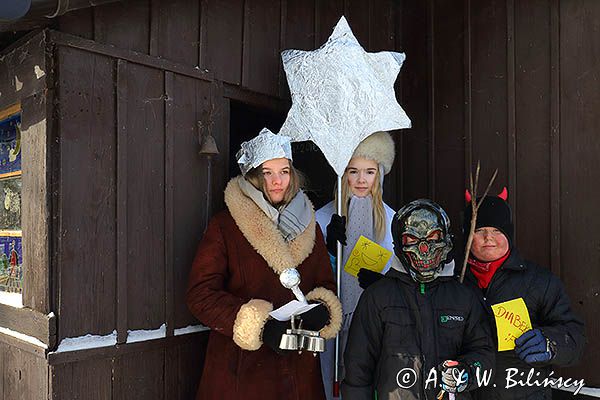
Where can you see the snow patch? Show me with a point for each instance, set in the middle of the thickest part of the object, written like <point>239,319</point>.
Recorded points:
<point>11,299</point>
<point>88,341</point>
<point>190,329</point>
<point>23,337</point>
<point>142,335</point>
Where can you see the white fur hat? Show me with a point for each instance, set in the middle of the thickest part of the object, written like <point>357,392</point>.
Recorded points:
<point>379,147</point>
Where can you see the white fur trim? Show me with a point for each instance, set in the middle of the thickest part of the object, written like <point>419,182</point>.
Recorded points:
<point>330,300</point>
<point>379,147</point>
<point>249,323</point>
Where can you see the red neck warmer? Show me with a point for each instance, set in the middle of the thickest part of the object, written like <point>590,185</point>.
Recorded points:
<point>484,271</point>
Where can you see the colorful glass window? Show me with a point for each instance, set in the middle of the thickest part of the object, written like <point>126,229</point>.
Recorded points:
<point>11,254</point>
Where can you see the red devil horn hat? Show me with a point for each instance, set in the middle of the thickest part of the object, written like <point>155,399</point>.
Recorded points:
<point>503,194</point>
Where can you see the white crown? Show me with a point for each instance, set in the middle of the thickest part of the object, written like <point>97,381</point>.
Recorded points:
<point>264,147</point>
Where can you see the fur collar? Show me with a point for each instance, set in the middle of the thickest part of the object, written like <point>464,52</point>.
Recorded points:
<point>262,233</point>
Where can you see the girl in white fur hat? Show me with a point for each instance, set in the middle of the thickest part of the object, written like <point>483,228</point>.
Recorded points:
<point>363,213</point>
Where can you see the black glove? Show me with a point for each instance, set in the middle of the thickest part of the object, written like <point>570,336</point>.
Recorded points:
<point>315,319</point>
<point>366,277</point>
<point>272,333</point>
<point>336,231</point>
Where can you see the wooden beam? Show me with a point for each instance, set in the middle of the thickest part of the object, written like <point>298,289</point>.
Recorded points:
<point>64,39</point>
<point>121,245</point>
<point>29,322</point>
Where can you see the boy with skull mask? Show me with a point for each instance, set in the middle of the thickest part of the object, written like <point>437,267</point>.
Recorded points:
<point>418,329</point>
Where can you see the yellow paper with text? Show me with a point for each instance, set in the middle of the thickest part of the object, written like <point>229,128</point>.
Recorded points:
<point>367,254</point>
<point>512,320</point>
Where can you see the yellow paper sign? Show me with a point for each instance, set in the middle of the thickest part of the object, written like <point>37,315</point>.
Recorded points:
<point>512,320</point>
<point>367,254</point>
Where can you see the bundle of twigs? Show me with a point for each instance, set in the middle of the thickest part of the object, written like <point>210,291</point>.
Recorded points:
<point>475,207</point>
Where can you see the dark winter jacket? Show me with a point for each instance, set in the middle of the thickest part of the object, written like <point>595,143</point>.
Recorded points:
<point>549,310</point>
<point>391,332</point>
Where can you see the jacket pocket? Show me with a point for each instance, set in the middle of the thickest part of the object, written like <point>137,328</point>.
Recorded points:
<point>399,331</point>
<point>450,325</point>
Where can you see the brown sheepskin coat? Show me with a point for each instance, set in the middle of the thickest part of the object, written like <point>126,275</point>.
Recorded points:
<point>234,284</point>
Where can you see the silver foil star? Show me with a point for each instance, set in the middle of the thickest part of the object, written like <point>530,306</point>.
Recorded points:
<point>341,94</point>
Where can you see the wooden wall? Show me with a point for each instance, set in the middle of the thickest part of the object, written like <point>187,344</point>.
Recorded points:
<point>515,85</point>
<point>129,185</point>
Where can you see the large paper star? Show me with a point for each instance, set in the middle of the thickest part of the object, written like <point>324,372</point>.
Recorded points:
<point>341,94</point>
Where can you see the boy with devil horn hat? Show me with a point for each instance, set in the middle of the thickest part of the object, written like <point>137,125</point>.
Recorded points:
<point>498,273</point>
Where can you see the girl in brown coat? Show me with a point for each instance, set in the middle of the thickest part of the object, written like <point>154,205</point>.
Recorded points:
<point>268,226</point>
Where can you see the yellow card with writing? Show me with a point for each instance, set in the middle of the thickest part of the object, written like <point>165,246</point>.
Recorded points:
<point>367,254</point>
<point>512,320</point>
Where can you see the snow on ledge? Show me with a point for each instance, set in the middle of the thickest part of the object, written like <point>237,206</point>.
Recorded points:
<point>143,335</point>
<point>23,337</point>
<point>88,341</point>
<point>91,341</point>
<point>190,329</point>
<point>11,299</point>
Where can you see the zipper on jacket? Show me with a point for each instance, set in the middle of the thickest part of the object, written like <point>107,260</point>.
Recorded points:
<point>422,288</point>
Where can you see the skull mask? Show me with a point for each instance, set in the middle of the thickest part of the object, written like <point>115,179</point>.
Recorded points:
<point>422,240</point>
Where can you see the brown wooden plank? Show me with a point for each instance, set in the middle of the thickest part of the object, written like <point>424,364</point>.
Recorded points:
<point>511,127</point>
<point>221,39</point>
<point>124,24</point>
<point>489,91</point>
<point>122,229</point>
<point>358,14</point>
<point>154,27</point>
<point>579,149</point>
<point>449,106</point>
<point>110,352</point>
<point>87,202</point>
<point>415,141</point>
<point>145,198</point>
<point>183,367</point>
<point>261,61</point>
<point>382,26</point>
<point>36,125</point>
<point>78,22</point>
<point>192,103</point>
<point>468,91</point>
<point>132,382</point>
<point>24,375</point>
<point>178,30</point>
<point>327,14</point>
<point>532,105</point>
<point>132,56</point>
<point>170,133</point>
<point>87,379</point>
<point>297,32</point>
<point>555,137</point>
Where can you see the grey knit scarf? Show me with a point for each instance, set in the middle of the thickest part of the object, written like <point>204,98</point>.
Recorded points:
<point>291,219</point>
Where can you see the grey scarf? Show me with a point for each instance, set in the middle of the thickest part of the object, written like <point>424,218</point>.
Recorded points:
<point>291,219</point>
<point>360,222</point>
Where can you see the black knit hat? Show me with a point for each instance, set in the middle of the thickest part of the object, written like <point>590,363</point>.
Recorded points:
<point>494,212</point>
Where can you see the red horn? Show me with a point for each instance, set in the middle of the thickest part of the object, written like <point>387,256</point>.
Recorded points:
<point>467,196</point>
<point>504,194</point>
